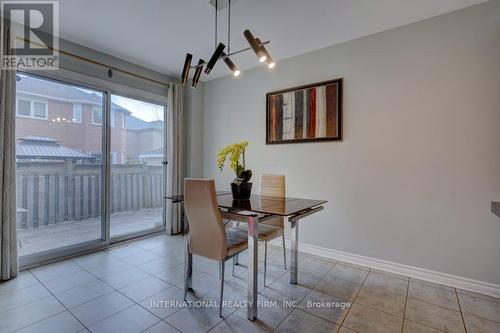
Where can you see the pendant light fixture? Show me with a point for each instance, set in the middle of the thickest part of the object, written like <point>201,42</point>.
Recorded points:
<point>197,74</point>
<point>256,45</point>
<point>185,69</point>
<point>217,53</point>
<point>269,60</point>
<point>232,67</point>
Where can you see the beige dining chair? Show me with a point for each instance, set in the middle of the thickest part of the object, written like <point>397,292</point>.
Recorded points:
<point>207,236</point>
<point>271,186</point>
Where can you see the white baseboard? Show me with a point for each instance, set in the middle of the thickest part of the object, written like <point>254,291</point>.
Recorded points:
<point>481,287</point>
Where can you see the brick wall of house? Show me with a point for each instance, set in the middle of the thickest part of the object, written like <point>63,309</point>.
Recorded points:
<point>83,136</point>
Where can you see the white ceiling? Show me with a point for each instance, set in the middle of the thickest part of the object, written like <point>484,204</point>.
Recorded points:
<point>158,33</point>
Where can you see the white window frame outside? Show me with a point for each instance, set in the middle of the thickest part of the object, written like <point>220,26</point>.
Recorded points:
<point>32,108</point>
<point>77,108</point>
<point>94,109</point>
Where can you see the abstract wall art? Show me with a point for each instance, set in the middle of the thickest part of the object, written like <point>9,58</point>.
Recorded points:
<point>309,113</point>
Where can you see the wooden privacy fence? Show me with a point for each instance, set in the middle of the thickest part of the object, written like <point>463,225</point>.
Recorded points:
<point>51,192</point>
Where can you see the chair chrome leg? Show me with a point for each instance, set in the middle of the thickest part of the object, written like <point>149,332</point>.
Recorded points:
<point>234,263</point>
<point>265,262</point>
<point>188,268</point>
<point>222,264</point>
<point>284,250</point>
<point>185,283</point>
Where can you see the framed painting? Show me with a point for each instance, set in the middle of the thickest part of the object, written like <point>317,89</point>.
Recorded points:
<point>309,113</point>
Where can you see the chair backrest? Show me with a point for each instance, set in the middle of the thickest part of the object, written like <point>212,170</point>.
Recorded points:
<point>272,185</point>
<point>207,236</point>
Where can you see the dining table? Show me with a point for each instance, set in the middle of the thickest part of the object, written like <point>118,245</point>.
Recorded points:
<point>255,210</point>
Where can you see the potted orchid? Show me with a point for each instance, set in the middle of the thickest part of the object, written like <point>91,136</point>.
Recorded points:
<point>241,186</point>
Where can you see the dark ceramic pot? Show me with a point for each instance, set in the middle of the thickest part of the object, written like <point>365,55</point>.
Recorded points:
<point>241,191</point>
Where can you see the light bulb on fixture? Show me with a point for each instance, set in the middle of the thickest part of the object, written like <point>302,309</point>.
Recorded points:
<point>256,46</point>
<point>269,60</point>
<point>232,67</point>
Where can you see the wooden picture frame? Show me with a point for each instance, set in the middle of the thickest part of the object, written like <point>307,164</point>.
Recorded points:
<point>309,113</point>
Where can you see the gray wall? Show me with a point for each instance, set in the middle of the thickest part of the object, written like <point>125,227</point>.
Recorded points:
<point>413,178</point>
<point>79,59</point>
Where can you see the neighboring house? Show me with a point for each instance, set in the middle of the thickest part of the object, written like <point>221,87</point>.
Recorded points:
<point>152,157</point>
<point>44,148</point>
<point>145,141</point>
<point>73,117</point>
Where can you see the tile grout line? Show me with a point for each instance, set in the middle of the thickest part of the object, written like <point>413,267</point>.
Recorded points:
<point>356,296</point>
<point>281,322</point>
<point>113,290</point>
<point>406,302</point>
<point>310,291</point>
<point>128,307</point>
<point>425,325</point>
<point>80,270</point>
<point>322,276</point>
<point>460,308</point>
<point>64,306</point>
<point>436,305</point>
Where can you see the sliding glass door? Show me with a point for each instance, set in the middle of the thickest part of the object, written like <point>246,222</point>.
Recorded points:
<point>59,151</point>
<point>90,168</point>
<point>137,168</point>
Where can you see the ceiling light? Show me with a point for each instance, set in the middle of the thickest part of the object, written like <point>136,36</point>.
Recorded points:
<point>217,53</point>
<point>256,47</point>
<point>269,60</point>
<point>185,70</point>
<point>197,73</point>
<point>232,67</point>
<point>255,44</point>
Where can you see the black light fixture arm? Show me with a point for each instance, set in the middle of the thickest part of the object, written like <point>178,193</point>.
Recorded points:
<point>229,28</point>
<point>231,54</point>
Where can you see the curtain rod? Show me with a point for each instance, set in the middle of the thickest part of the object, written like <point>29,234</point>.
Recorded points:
<point>98,63</point>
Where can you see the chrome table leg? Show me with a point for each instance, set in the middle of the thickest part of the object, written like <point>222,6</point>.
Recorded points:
<point>294,251</point>
<point>253,266</point>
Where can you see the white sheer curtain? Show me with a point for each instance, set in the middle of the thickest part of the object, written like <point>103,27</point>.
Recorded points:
<point>175,181</point>
<point>8,210</point>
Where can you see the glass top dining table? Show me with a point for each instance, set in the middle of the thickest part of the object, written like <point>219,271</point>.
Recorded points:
<point>259,208</point>
<point>282,206</point>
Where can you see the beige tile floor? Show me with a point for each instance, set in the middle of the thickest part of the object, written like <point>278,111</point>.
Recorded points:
<point>122,289</point>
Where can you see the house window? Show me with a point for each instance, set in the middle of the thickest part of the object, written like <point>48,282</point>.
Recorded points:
<point>77,113</point>
<point>113,118</point>
<point>114,157</point>
<point>39,110</point>
<point>32,109</point>
<point>23,108</point>
<point>96,115</point>
<point>124,120</point>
